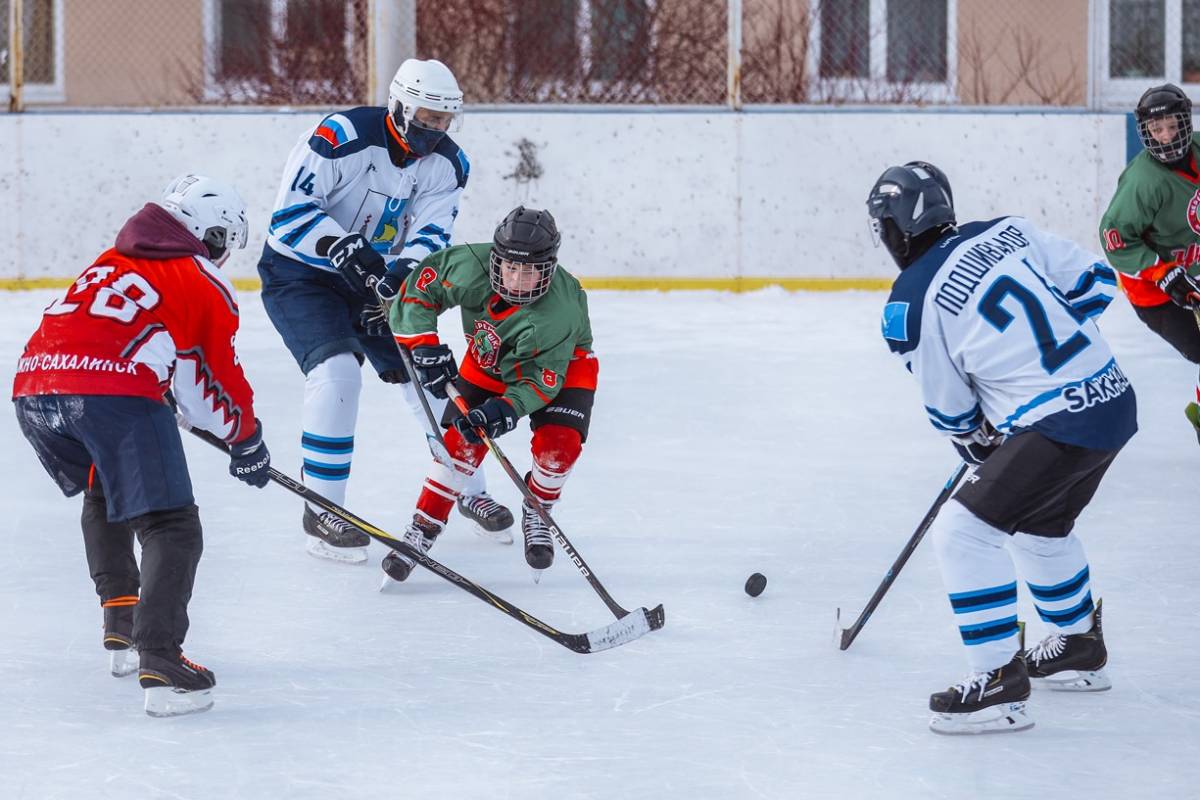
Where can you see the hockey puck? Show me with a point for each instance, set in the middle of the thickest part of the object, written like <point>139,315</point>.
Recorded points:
<point>755,584</point>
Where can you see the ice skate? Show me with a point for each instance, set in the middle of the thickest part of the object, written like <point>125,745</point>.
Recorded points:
<point>420,534</point>
<point>174,685</point>
<point>1071,663</point>
<point>118,641</point>
<point>984,702</point>
<point>334,539</point>
<point>492,520</point>
<point>539,544</point>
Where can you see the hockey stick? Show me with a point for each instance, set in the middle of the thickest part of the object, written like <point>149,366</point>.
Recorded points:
<point>848,634</point>
<point>433,435</point>
<point>612,635</point>
<point>655,618</point>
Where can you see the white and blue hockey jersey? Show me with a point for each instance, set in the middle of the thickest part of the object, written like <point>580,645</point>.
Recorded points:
<point>340,179</point>
<point>997,322</point>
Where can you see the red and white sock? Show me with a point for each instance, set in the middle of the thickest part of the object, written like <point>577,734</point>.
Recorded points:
<point>555,450</point>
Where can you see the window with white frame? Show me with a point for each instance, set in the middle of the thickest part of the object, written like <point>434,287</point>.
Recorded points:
<point>882,50</point>
<point>283,50</point>
<point>581,43</point>
<point>1144,43</point>
<point>42,50</point>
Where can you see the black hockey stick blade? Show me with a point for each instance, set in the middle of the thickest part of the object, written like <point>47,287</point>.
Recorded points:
<point>848,634</point>
<point>632,626</point>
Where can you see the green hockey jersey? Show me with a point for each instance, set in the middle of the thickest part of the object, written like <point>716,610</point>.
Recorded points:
<point>1153,218</point>
<point>521,352</point>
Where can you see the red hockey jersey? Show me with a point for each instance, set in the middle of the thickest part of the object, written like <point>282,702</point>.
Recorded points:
<point>151,314</point>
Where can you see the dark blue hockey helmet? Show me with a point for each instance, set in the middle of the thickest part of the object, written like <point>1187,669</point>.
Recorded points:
<point>910,208</point>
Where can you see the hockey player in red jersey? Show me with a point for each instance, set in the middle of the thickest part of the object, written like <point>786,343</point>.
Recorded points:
<point>152,314</point>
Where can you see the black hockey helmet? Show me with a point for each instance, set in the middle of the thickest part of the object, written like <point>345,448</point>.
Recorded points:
<point>911,207</point>
<point>524,255</point>
<point>1165,102</point>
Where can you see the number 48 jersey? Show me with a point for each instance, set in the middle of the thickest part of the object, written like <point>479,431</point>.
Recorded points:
<point>996,321</point>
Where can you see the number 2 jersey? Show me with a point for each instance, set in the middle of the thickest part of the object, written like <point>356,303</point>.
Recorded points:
<point>996,321</point>
<point>151,314</point>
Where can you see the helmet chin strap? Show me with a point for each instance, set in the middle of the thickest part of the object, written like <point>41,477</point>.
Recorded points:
<point>398,137</point>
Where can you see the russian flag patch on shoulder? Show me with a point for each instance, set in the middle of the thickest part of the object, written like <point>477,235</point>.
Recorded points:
<point>337,130</point>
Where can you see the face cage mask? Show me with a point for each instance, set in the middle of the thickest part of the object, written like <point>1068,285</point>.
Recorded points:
<point>1179,145</point>
<point>545,276</point>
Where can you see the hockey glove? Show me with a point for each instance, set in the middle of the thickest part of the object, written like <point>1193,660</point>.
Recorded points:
<point>976,446</point>
<point>1180,287</point>
<point>359,265</point>
<point>249,459</point>
<point>374,317</point>
<point>435,368</point>
<point>495,415</point>
<point>394,376</point>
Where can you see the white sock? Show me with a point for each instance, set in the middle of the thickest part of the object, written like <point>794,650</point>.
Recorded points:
<point>331,391</point>
<point>1056,571</point>
<point>982,583</point>
<point>468,484</point>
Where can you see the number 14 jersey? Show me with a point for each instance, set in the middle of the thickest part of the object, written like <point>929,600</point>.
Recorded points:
<point>996,321</point>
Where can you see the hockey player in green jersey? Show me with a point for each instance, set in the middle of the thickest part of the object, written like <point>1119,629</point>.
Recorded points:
<point>529,353</point>
<point>1151,230</point>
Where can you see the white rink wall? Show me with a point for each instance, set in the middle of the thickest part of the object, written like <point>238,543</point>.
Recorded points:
<point>671,194</point>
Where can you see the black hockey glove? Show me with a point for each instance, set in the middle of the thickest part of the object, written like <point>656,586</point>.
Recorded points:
<point>495,415</point>
<point>976,446</point>
<point>249,459</point>
<point>435,368</point>
<point>1180,287</point>
<point>374,318</point>
<point>359,265</point>
<point>394,376</point>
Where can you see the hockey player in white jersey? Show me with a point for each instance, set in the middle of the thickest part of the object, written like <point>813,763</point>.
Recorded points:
<point>365,195</point>
<point>995,321</point>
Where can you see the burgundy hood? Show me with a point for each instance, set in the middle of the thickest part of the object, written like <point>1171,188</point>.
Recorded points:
<point>153,233</point>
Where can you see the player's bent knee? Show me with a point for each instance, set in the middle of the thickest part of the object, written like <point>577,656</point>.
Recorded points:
<point>556,447</point>
<point>339,368</point>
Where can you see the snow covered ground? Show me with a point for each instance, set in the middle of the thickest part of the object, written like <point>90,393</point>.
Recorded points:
<point>765,432</point>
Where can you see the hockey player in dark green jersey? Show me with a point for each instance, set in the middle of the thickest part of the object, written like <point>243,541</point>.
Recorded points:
<point>529,353</point>
<point>1151,230</point>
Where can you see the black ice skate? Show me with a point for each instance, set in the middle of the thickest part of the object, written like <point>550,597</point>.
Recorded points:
<point>492,520</point>
<point>118,640</point>
<point>1071,663</point>
<point>174,685</point>
<point>420,534</point>
<point>985,702</point>
<point>539,544</point>
<point>336,539</point>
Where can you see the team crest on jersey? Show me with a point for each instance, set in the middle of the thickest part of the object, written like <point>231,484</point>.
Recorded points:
<point>485,344</point>
<point>1193,213</point>
<point>549,378</point>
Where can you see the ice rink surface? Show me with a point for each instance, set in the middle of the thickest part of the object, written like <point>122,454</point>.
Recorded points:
<point>767,432</point>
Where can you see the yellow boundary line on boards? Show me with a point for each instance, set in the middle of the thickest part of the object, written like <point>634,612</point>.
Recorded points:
<point>650,284</point>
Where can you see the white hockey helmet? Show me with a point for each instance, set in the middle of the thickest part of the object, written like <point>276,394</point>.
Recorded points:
<point>211,209</point>
<point>424,84</point>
